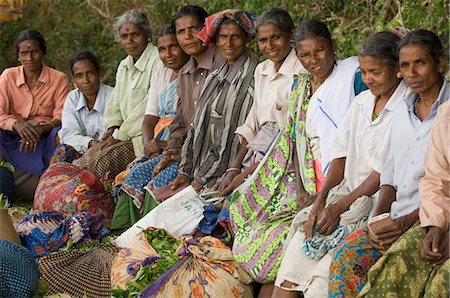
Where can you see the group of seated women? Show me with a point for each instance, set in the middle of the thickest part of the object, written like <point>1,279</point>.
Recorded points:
<point>336,172</point>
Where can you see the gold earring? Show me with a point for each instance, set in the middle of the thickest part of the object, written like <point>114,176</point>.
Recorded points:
<point>399,75</point>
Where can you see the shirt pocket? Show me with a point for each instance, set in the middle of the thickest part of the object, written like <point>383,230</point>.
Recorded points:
<point>215,122</point>
<point>46,106</point>
<point>278,114</point>
<point>137,96</point>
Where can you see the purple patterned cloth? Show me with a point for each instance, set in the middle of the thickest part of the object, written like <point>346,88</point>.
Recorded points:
<point>258,147</point>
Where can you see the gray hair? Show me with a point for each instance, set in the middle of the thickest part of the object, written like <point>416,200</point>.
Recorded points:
<point>312,28</point>
<point>383,46</point>
<point>135,17</point>
<point>278,17</point>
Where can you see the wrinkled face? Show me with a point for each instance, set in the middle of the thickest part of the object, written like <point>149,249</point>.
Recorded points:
<point>186,28</point>
<point>273,43</point>
<point>170,52</point>
<point>30,55</point>
<point>420,71</point>
<point>231,40</point>
<point>380,77</point>
<point>316,54</point>
<point>133,39</point>
<point>86,77</point>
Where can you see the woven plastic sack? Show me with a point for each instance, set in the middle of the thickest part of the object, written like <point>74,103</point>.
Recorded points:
<point>179,215</point>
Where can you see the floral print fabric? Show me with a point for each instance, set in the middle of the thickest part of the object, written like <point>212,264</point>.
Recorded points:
<point>352,260</point>
<point>65,188</point>
<point>402,272</point>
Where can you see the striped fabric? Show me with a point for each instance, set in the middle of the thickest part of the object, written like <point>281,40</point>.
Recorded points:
<point>211,144</point>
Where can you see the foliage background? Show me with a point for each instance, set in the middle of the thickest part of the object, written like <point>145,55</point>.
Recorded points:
<point>72,25</point>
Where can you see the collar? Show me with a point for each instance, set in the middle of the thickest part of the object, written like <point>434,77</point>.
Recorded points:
<point>286,69</point>
<point>44,77</point>
<point>141,63</point>
<point>227,73</point>
<point>82,103</point>
<point>207,62</point>
<point>368,102</point>
<point>412,98</point>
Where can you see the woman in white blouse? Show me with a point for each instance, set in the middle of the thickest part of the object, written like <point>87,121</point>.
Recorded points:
<point>357,156</point>
<point>82,116</point>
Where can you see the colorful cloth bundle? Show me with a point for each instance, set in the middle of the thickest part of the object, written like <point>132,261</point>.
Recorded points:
<point>66,188</point>
<point>206,268</point>
<point>46,232</point>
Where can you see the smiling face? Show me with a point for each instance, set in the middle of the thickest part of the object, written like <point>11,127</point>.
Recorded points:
<point>273,43</point>
<point>316,54</point>
<point>186,28</point>
<point>420,71</point>
<point>86,77</point>
<point>30,55</point>
<point>231,40</point>
<point>133,39</point>
<point>170,52</point>
<point>380,77</point>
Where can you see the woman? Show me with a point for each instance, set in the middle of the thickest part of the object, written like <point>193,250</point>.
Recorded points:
<point>421,64</point>
<point>225,101</point>
<point>264,205</point>
<point>424,249</point>
<point>161,110</point>
<point>63,187</point>
<point>269,111</point>
<point>31,100</point>
<point>122,141</point>
<point>359,152</point>
<point>163,99</point>
<point>186,24</point>
<point>83,112</point>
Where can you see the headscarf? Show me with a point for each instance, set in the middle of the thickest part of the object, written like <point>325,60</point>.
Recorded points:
<point>244,19</point>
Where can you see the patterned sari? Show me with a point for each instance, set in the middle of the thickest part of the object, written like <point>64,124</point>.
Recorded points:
<point>265,205</point>
<point>132,196</point>
<point>402,272</point>
<point>167,107</point>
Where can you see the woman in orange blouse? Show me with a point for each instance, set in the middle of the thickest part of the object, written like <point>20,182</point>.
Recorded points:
<point>31,100</point>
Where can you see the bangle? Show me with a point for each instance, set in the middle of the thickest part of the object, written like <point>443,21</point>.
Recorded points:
<point>232,170</point>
